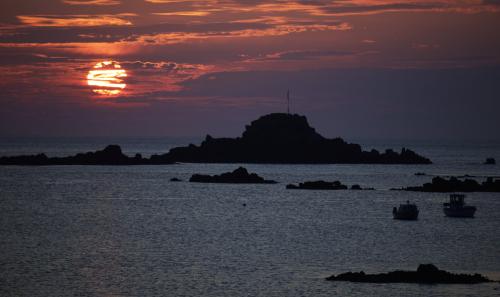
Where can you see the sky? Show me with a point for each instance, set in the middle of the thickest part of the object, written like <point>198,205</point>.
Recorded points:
<point>155,68</point>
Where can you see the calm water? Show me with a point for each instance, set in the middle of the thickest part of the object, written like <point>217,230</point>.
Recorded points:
<point>128,231</point>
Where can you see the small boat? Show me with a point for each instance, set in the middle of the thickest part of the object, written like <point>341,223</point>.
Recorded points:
<point>408,211</point>
<point>457,207</point>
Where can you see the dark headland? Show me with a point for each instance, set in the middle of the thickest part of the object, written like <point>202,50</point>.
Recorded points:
<point>274,138</point>
<point>425,274</point>
<point>287,139</point>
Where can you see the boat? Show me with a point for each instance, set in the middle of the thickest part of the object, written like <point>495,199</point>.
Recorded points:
<point>408,211</point>
<point>458,208</point>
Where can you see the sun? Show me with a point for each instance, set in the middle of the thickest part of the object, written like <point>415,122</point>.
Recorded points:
<point>107,78</point>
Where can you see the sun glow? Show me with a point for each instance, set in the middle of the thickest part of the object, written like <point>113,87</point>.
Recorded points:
<point>107,78</point>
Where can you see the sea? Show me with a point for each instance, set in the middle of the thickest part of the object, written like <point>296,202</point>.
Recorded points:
<point>129,231</point>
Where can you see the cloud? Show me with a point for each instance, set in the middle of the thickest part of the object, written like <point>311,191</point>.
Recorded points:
<point>184,13</point>
<point>92,2</point>
<point>294,55</point>
<point>353,9</point>
<point>74,20</point>
<point>72,30</point>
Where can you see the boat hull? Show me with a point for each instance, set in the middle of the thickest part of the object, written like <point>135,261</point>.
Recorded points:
<point>405,216</point>
<point>465,212</point>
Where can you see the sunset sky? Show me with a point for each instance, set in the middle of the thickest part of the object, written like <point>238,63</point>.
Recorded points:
<point>377,69</point>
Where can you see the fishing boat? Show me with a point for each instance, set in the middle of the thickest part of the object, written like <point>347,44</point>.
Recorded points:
<point>408,211</point>
<point>458,208</point>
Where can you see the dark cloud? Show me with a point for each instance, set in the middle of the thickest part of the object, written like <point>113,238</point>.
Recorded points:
<point>491,2</point>
<point>304,55</point>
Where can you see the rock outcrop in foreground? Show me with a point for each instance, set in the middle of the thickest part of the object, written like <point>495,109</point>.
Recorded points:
<point>426,274</point>
<point>286,138</point>
<point>111,155</point>
<point>238,176</point>
<point>440,184</point>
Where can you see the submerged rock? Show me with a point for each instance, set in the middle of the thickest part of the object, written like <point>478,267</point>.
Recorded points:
<point>238,176</point>
<point>454,184</point>
<point>426,273</point>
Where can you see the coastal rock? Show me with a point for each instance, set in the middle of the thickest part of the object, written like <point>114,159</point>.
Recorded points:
<point>356,187</point>
<point>323,185</point>
<point>426,273</point>
<point>238,176</point>
<point>110,155</point>
<point>318,185</point>
<point>175,179</point>
<point>490,161</point>
<point>454,184</point>
<point>285,138</point>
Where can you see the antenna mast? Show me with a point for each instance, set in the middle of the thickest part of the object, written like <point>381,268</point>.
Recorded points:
<point>288,101</point>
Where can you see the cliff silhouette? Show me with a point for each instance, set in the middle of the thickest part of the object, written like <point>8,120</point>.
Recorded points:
<point>285,138</point>
<point>273,138</point>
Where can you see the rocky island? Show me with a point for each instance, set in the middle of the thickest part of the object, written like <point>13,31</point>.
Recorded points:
<point>238,176</point>
<point>425,274</point>
<point>274,138</point>
<point>111,155</point>
<point>323,185</point>
<point>288,139</point>
<point>454,184</point>
<point>318,185</point>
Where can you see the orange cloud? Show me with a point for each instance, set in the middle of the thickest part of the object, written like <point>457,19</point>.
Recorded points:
<point>278,30</point>
<point>74,20</point>
<point>184,13</point>
<point>92,2</point>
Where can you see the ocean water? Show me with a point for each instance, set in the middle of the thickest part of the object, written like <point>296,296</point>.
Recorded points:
<point>129,231</point>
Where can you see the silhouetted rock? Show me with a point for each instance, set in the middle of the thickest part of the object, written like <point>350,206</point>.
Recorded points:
<point>426,273</point>
<point>40,159</point>
<point>440,184</point>
<point>356,187</point>
<point>111,155</point>
<point>175,179</point>
<point>238,176</point>
<point>318,185</point>
<point>490,161</point>
<point>420,173</point>
<point>273,138</point>
<point>323,185</point>
<point>285,138</point>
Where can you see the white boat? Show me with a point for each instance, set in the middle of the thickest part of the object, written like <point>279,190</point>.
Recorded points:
<point>457,207</point>
<point>408,211</point>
